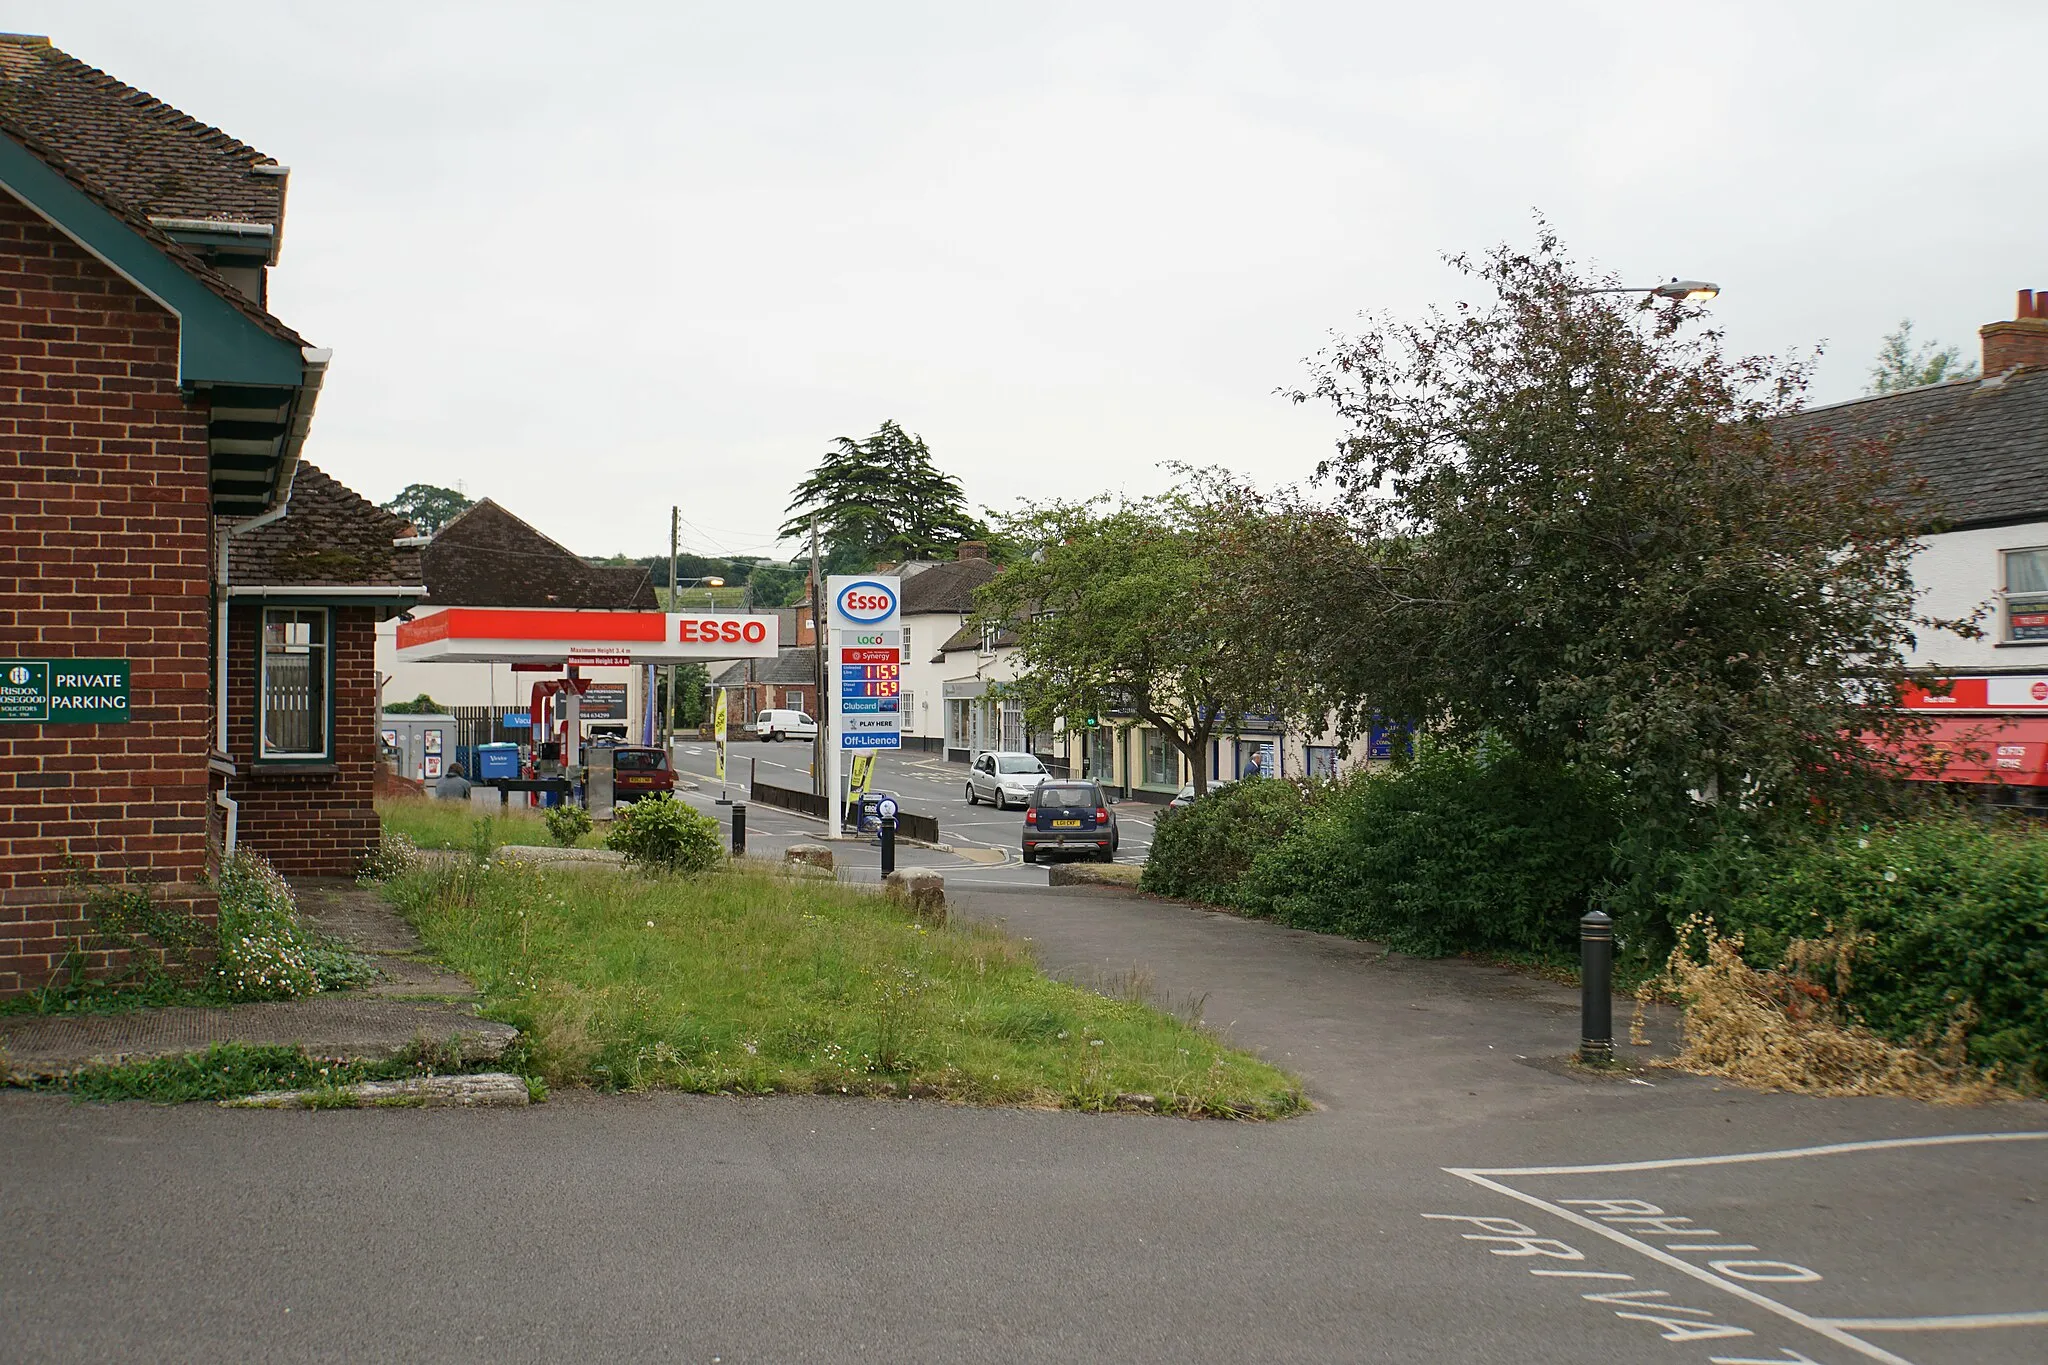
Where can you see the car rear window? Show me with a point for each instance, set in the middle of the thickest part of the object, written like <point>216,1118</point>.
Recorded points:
<point>637,760</point>
<point>1066,796</point>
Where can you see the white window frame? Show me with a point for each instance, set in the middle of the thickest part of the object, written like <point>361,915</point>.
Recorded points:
<point>325,663</point>
<point>2023,601</point>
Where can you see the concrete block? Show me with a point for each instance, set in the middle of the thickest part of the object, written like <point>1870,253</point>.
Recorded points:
<point>817,855</point>
<point>920,888</point>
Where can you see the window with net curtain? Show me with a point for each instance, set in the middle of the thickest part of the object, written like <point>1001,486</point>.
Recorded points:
<point>296,679</point>
<point>2026,594</point>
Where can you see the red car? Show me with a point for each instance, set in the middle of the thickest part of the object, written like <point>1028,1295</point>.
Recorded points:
<point>639,771</point>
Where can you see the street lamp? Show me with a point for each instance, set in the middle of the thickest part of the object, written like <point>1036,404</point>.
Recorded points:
<point>1681,291</point>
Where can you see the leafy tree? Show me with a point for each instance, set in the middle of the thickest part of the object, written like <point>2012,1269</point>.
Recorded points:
<point>422,705</point>
<point>1570,521</point>
<point>1137,607</point>
<point>1901,365</point>
<point>878,499</point>
<point>428,507</point>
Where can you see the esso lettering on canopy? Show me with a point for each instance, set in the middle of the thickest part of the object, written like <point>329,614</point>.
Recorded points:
<point>730,630</point>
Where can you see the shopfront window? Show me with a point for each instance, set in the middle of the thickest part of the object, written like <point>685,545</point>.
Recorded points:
<point>1012,737</point>
<point>297,678</point>
<point>1162,761</point>
<point>1322,760</point>
<point>957,723</point>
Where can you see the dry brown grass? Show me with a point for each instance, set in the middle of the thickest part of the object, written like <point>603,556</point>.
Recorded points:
<point>1782,1030</point>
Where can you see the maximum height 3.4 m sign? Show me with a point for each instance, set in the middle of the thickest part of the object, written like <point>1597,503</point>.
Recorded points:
<point>64,691</point>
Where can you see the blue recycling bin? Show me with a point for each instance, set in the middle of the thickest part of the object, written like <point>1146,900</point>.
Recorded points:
<point>496,761</point>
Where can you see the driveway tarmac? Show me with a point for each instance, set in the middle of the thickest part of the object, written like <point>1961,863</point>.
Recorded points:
<point>1457,1197</point>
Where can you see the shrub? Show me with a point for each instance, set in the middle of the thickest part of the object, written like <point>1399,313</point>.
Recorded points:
<point>1202,850</point>
<point>1914,925</point>
<point>567,824</point>
<point>666,834</point>
<point>264,953</point>
<point>1454,851</point>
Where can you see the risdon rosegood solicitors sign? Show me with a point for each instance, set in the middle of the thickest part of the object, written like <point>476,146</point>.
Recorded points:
<point>64,691</point>
<point>867,661</point>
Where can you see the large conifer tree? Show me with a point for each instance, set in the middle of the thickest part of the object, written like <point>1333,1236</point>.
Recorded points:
<point>881,498</point>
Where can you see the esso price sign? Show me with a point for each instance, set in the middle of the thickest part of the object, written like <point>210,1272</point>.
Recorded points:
<point>866,602</point>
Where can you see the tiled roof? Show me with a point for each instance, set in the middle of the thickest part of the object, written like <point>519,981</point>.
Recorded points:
<point>1981,444</point>
<point>331,538</point>
<point>187,259</point>
<point>158,160</point>
<point>487,557</point>
<point>792,665</point>
<point>947,586</point>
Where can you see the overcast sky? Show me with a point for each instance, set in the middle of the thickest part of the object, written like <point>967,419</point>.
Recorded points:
<point>593,259</point>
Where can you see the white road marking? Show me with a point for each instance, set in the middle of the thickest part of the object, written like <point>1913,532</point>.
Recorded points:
<point>1818,1326</point>
<point>1837,1330</point>
<point>1737,1158</point>
<point>1951,1323</point>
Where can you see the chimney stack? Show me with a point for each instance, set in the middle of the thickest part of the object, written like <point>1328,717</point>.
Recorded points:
<point>2023,341</point>
<point>978,549</point>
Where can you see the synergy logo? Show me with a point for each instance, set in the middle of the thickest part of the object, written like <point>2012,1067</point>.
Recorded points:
<point>866,602</point>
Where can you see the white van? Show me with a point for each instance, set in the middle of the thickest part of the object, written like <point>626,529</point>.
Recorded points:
<point>784,725</point>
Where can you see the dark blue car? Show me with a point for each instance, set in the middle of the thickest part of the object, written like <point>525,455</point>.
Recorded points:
<point>1069,817</point>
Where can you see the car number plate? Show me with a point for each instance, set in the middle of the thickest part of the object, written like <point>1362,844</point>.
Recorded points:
<point>1066,824</point>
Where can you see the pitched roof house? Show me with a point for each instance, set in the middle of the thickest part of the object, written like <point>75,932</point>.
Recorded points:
<point>158,412</point>
<point>1982,447</point>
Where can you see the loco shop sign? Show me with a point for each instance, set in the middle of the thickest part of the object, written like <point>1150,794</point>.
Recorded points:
<point>64,691</point>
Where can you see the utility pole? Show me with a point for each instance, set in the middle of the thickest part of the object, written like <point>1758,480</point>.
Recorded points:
<point>675,531</point>
<point>823,703</point>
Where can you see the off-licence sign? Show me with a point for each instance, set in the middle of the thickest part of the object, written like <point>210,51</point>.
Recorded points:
<point>64,691</point>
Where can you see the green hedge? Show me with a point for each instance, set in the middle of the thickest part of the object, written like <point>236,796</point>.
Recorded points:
<point>1945,915</point>
<point>1202,850</point>
<point>1452,852</point>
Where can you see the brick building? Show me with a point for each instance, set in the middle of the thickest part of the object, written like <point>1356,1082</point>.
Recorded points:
<point>151,409</point>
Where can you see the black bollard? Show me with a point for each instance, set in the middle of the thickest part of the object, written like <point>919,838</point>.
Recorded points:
<point>1596,989</point>
<point>739,829</point>
<point>888,845</point>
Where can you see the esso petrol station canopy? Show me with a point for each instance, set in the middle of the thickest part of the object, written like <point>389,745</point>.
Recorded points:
<point>589,638</point>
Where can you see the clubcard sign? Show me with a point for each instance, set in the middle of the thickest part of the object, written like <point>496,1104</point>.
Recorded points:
<point>867,661</point>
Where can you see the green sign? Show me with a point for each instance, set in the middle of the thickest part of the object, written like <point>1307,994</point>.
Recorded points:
<point>64,691</point>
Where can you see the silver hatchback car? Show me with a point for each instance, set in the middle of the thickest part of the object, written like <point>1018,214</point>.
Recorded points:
<point>1004,779</point>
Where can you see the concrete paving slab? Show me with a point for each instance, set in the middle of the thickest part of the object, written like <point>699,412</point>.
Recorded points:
<point>353,1027</point>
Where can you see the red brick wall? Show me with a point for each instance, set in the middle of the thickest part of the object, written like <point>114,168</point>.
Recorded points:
<point>103,554</point>
<point>308,822</point>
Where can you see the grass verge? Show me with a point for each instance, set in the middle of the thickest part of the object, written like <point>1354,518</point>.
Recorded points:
<point>452,824</point>
<point>746,982</point>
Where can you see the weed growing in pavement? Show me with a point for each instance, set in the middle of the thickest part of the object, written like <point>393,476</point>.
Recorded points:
<point>260,949</point>
<point>394,856</point>
<point>229,1071</point>
<point>745,982</point>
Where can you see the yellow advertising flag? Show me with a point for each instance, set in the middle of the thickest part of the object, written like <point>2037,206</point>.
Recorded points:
<point>718,731</point>
<point>863,774</point>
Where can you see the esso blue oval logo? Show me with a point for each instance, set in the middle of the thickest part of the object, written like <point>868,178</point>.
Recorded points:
<point>866,602</point>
